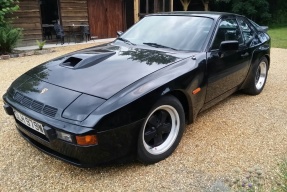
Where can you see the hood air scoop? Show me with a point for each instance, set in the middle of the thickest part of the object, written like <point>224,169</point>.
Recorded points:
<point>84,60</point>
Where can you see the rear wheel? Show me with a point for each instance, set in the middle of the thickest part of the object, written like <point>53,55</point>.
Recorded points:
<point>258,80</point>
<point>162,130</point>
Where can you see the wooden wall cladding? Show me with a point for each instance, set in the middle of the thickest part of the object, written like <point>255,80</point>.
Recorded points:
<point>106,17</point>
<point>73,12</point>
<point>29,20</point>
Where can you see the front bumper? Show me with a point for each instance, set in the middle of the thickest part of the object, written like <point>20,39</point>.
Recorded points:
<point>115,151</point>
<point>8,109</point>
<point>115,145</point>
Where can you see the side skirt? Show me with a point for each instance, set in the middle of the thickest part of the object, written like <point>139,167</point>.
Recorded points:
<point>218,99</point>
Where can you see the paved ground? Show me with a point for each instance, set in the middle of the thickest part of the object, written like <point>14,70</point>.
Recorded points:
<point>240,132</point>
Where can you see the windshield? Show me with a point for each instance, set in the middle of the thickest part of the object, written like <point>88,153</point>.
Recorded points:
<point>183,33</point>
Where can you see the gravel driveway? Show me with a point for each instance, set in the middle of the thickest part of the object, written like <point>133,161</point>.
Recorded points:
<point>240,132</point>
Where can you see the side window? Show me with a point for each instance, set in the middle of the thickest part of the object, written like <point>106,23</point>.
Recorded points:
<point>247,31</point>
<point>228,30</point>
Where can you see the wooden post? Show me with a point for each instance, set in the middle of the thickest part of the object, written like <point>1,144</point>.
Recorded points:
<point>136,10</point>
<point>155,5</point>
<point>171,5</point>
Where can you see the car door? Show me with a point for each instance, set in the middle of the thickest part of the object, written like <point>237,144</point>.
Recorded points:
<point>226,70</point>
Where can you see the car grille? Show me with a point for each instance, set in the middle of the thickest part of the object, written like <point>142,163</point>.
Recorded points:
<point>35,105</point>
<point>50,111</point>
<point>26,102</point>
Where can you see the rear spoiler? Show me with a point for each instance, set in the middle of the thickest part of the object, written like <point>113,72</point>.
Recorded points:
<point>258,27</point>
<point>263,28</point>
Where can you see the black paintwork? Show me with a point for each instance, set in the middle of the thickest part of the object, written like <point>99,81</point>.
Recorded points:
<point>108,90</point>
<point>108,76</point>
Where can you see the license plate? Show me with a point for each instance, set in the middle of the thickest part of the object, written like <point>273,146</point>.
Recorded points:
<point>29,122</point>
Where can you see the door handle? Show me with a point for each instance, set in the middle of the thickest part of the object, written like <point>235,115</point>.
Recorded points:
<point>245,54</point>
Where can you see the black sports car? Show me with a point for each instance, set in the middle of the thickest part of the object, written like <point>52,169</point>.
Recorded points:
<point>134,96</point>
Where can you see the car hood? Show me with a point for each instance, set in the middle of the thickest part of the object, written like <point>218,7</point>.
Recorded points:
<point>104,70</point>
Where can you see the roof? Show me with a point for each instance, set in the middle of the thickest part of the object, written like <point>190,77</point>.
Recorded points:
<point>210,14</point>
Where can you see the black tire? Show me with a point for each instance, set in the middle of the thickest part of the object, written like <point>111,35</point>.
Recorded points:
<point>162,130</point>
<point>258,78</point>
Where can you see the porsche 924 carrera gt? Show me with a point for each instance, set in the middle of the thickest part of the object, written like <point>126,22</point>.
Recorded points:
<point>133,97</point>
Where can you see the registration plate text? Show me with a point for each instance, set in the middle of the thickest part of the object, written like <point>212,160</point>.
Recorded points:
<point>29,122</point>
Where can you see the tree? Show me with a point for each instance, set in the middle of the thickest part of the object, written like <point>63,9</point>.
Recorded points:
<point>206,3</point>
<point>257,10</point>
<point>7,7</point>
<point>185,4</point>
<point>278,10</point>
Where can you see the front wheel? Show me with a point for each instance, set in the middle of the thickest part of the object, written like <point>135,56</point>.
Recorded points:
<point>258,80</point>
<point>161,131</point>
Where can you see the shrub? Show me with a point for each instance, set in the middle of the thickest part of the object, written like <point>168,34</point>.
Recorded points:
<point>252,181</point>
<point>40,44</point>
<point>282,181</point>
<point>247,181</point>
<point>9,37</point>
<point>219,186</point>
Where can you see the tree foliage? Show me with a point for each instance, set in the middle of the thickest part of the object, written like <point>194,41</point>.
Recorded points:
<point>262,11</point>
<point>7,7</point>
<point>206,3</point>
<point>257,10</point>
<point>278,10</point>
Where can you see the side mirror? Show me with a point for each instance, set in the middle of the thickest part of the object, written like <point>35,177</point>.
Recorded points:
<point>229,46</point>
<point>119,33</point>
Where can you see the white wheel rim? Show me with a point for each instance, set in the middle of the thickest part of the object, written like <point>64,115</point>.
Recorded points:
<point>260,76</point>
<point>169,139</point>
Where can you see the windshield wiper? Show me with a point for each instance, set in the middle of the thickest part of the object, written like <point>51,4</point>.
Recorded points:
<point>159,46</point>
<point>125,40</point>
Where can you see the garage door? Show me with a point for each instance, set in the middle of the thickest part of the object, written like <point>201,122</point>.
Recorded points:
<point>106,17</point>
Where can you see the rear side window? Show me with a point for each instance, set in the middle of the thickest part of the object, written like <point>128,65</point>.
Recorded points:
<point>247,32</point>
<point>228,30</point>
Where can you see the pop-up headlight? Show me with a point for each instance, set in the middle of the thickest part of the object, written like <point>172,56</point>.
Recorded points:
<point>82,107</point>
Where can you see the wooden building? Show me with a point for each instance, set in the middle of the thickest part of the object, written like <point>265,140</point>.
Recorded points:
<point>104,17</point>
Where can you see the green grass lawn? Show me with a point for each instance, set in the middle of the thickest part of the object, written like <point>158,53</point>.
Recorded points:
<point>278,37</point>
